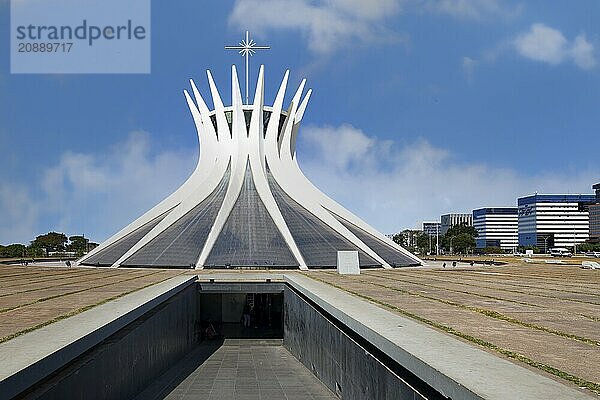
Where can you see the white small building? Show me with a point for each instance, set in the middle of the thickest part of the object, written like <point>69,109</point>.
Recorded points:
<point>496,227</point>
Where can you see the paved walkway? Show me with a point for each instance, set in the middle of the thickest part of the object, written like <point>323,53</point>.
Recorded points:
<point>239,369</point>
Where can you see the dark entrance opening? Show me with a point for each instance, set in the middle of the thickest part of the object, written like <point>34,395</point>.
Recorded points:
<point>230,315</point>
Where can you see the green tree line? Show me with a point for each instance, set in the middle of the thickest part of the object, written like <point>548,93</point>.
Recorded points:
<point>460,239</point>
<point>50,242</point>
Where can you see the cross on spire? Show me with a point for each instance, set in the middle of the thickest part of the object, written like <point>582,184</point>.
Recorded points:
<point>247,47</point>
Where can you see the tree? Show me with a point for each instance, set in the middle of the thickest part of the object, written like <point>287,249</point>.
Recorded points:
<point>13,250</point>
<point>35,251</point>
<point>400,239</point>
<point>588,247</point>
<point>52,241</point>
<point>459,238</point>
<point>523,249</point>
<point>491,250</point>
<point>77,244</point>
<point>462,243</point>
<point>462,228</point>
<point>422,240</point>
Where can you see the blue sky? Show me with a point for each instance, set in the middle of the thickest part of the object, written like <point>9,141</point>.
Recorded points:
<point>420,107</point>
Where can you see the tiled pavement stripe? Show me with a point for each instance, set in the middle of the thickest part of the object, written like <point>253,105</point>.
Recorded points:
<point>40,277</point>
<point>87,277</point>
<point>505,282</point>
<point>75,292</point>
<point>54,277</point>
<point>521,292</point>
<point>29,271</point>
<point>379,275</point>
<point>567,279</point>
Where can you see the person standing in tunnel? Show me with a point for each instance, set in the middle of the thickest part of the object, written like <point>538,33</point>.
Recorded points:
<point>246,315</point>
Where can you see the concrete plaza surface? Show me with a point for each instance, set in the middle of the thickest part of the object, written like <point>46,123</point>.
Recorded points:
<point>32,297</point>
<point>543,317</point>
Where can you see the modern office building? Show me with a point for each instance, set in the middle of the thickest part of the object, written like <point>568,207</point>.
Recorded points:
<point>431,228</point>
<point>247,204</point>
<point>595,216</point>
<point>496,227</point>
<point>449,220</point>
<point>554,220</point>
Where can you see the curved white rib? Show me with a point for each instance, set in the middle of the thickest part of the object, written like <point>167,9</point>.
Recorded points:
<point>239,160</point>
<point>297,119</point>
<point>258,171</point>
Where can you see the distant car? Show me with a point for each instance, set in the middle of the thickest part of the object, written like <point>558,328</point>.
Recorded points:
<point>560,252</point>
<point>593,254</point>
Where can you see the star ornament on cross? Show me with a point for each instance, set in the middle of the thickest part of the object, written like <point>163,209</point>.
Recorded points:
<point>247,47</point>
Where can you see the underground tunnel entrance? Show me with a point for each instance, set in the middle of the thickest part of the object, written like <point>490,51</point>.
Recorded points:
<point>240,311</point>
<point>225,340</point>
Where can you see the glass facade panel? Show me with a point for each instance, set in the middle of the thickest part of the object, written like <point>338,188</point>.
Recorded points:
<point>317,242</point>
<point>181,243</point>
<point>213,119</point>
<point>229,118</point>
<point>250,237</point>
<point>108,256</point>
<point>248,117</point>
<point>266,118</point>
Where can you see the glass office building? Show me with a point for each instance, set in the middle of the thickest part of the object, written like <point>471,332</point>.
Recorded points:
<point>554,220</point>
<point>496,227</point>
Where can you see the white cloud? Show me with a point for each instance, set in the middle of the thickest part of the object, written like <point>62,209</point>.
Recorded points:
<point>351,146</point>
<point>327,25</point>
<point>545,44</point>
<point>582,52</point>
<point>94,193</point>
<point>473,9</point>
<point>394,186</point>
